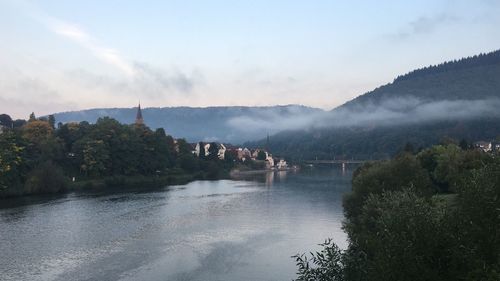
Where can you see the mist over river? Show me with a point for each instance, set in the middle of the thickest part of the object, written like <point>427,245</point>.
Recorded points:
<point>205,230</point>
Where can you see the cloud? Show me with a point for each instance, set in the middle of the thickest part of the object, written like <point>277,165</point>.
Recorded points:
<point>425,25</point>
<point>176,80</point>
<point>80,36</point>
<point>292,118</point>
<point>21,97</point>
<point>141,78</point>
<point>148,81</point>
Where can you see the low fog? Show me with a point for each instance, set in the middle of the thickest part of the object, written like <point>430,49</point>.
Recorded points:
<point>385,113</point>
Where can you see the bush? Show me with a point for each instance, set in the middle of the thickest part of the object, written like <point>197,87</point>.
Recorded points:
<point>325,265</point>
<point>46,178</point>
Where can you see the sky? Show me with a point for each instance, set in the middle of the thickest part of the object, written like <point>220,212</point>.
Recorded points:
<point>69,55</point>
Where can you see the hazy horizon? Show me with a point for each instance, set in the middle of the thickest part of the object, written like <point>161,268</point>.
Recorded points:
<point>62,56</point>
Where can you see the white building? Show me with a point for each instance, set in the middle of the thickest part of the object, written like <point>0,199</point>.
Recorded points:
<point>483,145</point>
<point>269,161</point>
<point>222,151</point>
<point>282,165</point>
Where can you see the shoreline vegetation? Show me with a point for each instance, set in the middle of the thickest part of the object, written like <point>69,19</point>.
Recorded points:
<point>431,215</point>
<point>38,157</point>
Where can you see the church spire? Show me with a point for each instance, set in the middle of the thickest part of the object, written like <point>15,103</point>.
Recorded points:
<point>138,118</point>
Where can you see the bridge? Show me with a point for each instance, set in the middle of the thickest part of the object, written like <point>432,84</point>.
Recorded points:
<point>343,162</point>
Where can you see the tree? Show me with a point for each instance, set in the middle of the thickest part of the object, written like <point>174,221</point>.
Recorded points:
<point>46,178</point>
<point>325,265</point>
<point>402,236</point>
<point>188,162</point>
<point>6,121</point>
<point>32,117</point>
<point>183,147</point>
<point>477,224</point>
<point>202,150</point>
<point>10,160</point>
<point>230,155</point>
<point>95,158</point>
<point>397,230</point>
<point>375,178</point>
<point>36,132</point>
<point>464,145</point>
<point>261,155</point>
<point>18,123</point>
<point>213,151</point>
<point>52,121</point>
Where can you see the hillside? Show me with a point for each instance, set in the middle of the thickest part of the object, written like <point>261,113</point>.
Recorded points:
<point>471,78</point>
<point>234,124</point>
<point>458,100</point>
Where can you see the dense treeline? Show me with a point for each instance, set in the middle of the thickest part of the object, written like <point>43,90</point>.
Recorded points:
<point>474,61</point>
<point>430,216</point>
<point>381,142</point>
<point>36,157</point>
<point>466,79</point>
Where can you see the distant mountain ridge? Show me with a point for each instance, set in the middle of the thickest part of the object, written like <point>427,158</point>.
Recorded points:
<point>233,124</point>
<point>457,99</point>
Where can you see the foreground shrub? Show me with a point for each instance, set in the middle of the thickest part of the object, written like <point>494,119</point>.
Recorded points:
<point>46,178</point>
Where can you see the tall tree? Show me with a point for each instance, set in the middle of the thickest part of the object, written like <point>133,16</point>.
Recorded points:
<point>5,120</point>
<point>32,117</point>
<point>52,121</point>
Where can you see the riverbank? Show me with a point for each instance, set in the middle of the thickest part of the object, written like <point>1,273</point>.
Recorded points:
<point>115,183</point>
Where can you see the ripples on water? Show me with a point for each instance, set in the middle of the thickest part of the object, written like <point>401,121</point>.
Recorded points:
<point>206,230</point>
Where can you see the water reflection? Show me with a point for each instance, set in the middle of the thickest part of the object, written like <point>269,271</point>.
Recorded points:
<point>269,178</point>
<point>206,230</point>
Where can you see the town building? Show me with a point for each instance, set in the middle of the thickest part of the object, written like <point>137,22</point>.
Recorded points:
<point>483,145</point>
<point>206,146</point>
<point>282,165</point>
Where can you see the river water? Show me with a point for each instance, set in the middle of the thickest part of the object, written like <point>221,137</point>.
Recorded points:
<point>205,230</point>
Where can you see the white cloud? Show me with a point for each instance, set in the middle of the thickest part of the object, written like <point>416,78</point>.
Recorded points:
<point>80,36</point>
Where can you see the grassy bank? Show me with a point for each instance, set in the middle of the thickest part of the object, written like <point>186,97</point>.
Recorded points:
<point>115,183</point>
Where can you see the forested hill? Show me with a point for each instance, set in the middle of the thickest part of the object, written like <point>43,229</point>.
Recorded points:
<point>234,124</point>
<point>470,78</point>
<point>457,100</point>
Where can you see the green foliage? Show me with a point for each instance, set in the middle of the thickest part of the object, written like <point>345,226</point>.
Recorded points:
<point>32,117</point>
<point>325,265</point>
<point>6,121</point>
<point>11,152</point>
<point>202,153</point>
<point>213,151</point>
<point>188,162</point>
<point>261,155</point>
<point>36,132</point>
<point>46,178</point>
<point>95,157</point>
<point>434,216</point>
<point>230,155</point>
<point>402,236</point>
<point>34,153</point>
<point>477,224</point>
<point>446,164</point>
<point>375,178</point>
<point>52,121</point>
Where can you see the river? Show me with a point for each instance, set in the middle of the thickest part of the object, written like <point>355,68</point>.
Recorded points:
<point>205,230</point>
